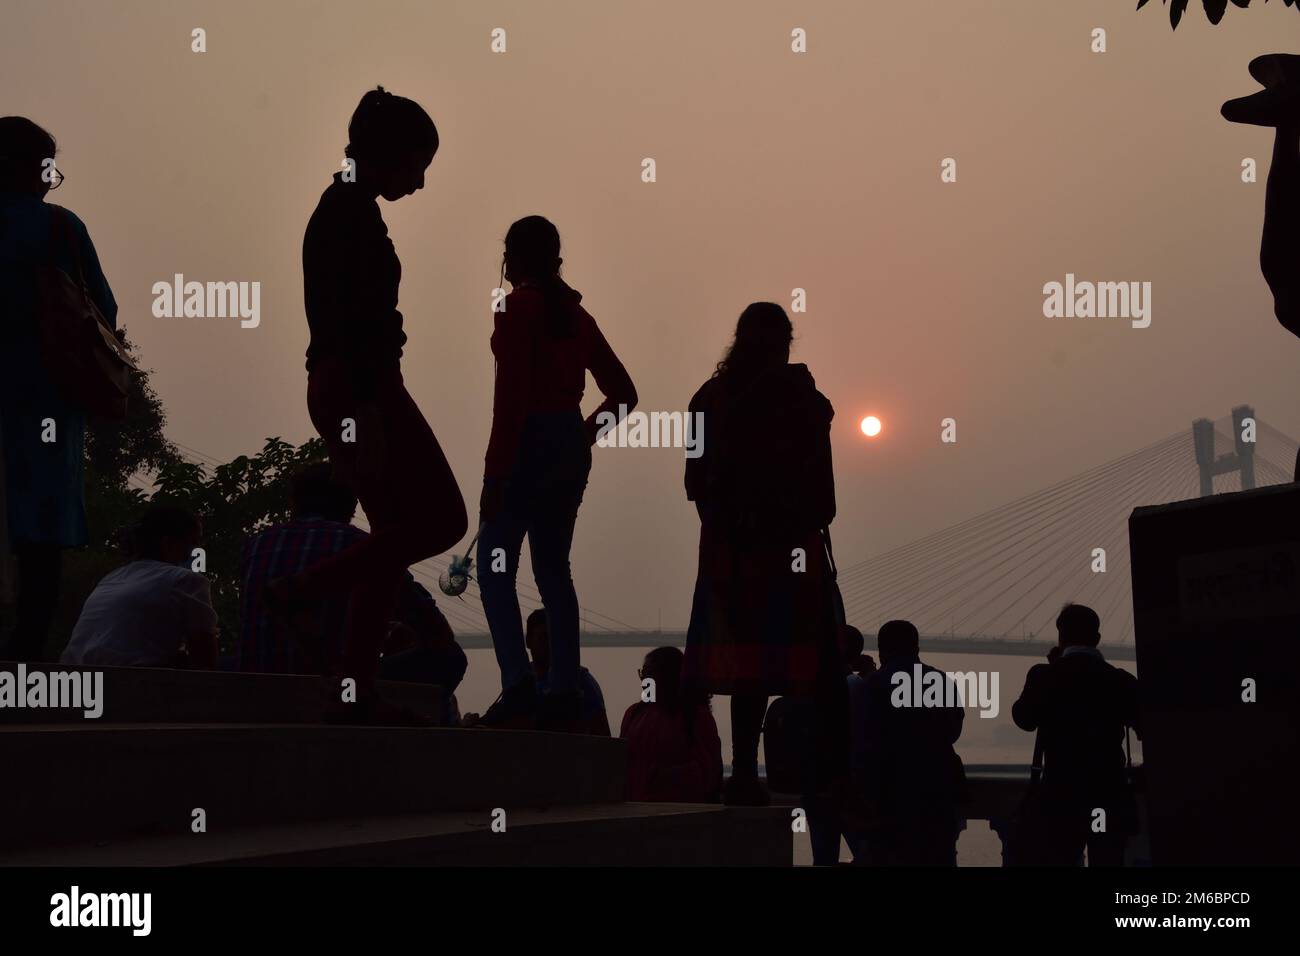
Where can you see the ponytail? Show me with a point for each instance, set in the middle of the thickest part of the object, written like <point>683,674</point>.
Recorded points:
<point>533,253</point>
<point>384,126</point>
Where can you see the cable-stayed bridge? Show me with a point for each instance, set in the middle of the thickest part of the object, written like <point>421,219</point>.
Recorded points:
<point>1004,574</point>
<point>994,582</point>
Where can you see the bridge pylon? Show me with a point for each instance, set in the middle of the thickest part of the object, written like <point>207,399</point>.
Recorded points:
<point>1241,459</point>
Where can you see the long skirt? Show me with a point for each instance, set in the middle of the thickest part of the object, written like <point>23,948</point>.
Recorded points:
<point>764,618</point>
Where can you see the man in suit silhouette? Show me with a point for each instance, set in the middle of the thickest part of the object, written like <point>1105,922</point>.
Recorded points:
<point>1082,707</point>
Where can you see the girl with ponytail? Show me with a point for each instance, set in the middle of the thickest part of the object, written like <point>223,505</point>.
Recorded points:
<point>378,440</point>
<point>535,471</point>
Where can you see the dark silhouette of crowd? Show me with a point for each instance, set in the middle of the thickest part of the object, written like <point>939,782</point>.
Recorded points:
<point>322,596</point>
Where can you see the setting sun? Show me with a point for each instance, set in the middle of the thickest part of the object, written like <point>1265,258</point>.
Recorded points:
<point>871,426</point>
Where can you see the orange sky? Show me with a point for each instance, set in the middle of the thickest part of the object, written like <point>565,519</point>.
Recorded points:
<point>775,171</point>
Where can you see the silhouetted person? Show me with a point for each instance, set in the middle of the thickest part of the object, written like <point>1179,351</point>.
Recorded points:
<point>674,753</point>
<point>913,777</point>
<point>860,668</point>
<point>536,467</point>
<point>421,646</point>
<point>43,481</point>
<point>378,440</point>
<point>791,749</point>
<point>1278,106</point>
<point>592,719</point>
<point>153,611</point>
<point>421,649</point>
<point>1081,707</point>
<point>763,618</point>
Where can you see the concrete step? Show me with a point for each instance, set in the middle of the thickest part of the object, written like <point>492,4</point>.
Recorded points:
<point>71,783</point>
<point>168,695</point>
<point>609,834</point>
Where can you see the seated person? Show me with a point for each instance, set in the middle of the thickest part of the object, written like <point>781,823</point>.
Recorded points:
<point>674,754</point>
<point>592,718</point>
<point>153,611</point>
<point>852,646</point>
<point>423,649</point>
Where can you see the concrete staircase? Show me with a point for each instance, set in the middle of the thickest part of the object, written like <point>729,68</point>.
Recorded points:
<point>162,695</point>
<point>276,788</point>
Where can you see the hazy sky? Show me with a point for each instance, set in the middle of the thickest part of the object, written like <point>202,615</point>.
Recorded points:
<point>775,171</point>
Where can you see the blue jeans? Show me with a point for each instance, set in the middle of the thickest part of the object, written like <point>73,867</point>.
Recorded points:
<point>541,502</point>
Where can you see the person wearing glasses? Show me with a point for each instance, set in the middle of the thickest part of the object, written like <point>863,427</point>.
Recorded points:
<point>674,753</point>
<point>43,442</point>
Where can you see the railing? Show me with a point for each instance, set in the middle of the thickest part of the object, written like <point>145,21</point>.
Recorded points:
<point>930,644</point>
<point>996,790</point>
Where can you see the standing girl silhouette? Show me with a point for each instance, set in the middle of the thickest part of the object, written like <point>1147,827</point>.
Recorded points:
<point>378,440</point>
<point>538,459</point>
<point>764,614</point>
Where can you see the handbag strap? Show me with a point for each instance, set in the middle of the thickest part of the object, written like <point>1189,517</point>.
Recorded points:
<point>830,552</point>
<point>1036,767</point>
<point>837,597</point>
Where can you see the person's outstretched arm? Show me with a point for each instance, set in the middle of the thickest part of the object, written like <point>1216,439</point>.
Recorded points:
<point>612,380</point>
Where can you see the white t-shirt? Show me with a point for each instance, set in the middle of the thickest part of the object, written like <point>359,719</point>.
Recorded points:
<point>140,614</point>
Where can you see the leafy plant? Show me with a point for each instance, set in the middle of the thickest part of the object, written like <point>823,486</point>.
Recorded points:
<point>235,500</point>
<point>1214,9</point>
<point>117,454</point>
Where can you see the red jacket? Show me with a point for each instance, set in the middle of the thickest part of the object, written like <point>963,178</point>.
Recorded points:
<point>665,762</point>
<point>538,373</point>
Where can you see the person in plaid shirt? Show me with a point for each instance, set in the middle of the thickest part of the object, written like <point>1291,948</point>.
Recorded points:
<point>320,526</point>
